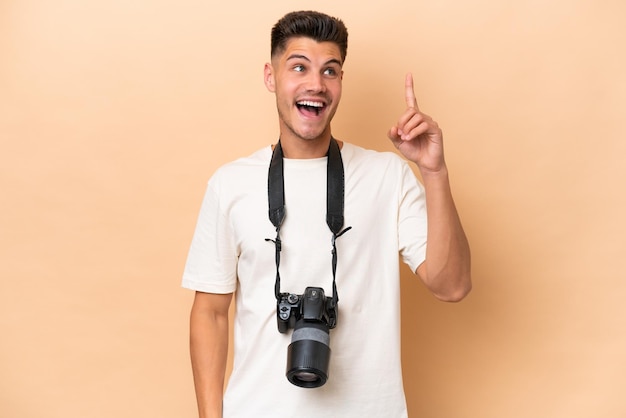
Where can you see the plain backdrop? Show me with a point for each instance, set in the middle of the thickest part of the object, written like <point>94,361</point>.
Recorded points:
<point>114,114</point>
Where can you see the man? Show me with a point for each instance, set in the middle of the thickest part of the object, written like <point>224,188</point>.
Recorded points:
<point>234,250</point>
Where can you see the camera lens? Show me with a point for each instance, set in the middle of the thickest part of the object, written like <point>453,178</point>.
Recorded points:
<point>308,354</point>
<point>305,377</point>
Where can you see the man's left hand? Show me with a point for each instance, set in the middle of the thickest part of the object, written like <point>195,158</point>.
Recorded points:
<point>417,136</point>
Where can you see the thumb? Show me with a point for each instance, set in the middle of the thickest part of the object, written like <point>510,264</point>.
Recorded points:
<point>393,133</point>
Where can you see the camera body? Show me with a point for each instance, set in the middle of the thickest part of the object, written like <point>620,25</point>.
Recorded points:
<point>311,316</point>
<point>312,305</point>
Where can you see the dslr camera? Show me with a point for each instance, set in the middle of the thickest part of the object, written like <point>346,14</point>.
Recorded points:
<point>311,315</point>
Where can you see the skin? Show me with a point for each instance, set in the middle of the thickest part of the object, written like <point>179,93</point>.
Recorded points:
<point>446,270</point>
<point>308,71</point>
<point>305,71</point>
<point>208,343</point>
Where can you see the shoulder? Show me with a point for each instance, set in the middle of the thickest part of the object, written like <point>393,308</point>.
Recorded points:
<point>357,157</point>
<point>243,170</point>
<point>254,161</point>
<point>379,170</point>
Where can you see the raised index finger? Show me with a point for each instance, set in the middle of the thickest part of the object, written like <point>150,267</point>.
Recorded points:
<point>409,93</point>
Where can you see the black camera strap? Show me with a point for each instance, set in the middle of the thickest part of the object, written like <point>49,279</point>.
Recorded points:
<point>335,184</point>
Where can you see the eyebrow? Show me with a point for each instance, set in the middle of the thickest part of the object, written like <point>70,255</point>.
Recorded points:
<point>304,57</point>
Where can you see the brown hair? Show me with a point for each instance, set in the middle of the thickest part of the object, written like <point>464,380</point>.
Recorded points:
<point>317,26</point>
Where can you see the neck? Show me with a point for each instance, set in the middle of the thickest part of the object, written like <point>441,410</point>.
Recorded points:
<point>299,149</point>
<point>304,149</point>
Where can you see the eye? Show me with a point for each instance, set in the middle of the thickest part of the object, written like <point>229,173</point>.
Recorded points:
<point>330,72</point>
<point>298,68</point>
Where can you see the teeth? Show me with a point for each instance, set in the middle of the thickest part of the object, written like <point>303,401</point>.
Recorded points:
<point>310,103</point>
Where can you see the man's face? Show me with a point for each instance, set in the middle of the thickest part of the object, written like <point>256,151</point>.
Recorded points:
<point>306,79</point>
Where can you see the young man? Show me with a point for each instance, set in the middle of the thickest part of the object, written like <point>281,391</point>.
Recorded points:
<point>238,250</point>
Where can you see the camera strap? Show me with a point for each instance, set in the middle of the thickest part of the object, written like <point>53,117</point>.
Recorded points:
<point>335,184</point>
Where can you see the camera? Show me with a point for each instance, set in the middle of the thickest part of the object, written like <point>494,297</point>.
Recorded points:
<point>311,315</point>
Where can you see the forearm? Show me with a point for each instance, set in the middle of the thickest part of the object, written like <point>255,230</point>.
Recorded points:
<point>446,270</point>
<point>209,351</point>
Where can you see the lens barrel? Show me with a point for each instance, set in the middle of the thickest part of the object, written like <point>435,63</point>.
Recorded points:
<point>308,354</point>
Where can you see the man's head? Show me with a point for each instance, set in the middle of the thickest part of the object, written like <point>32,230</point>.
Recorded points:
<point>317,26</point>
<point>305,74</point>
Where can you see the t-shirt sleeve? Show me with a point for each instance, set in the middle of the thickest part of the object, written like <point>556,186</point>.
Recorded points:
<point>212,260</point>
<point>412,220</point>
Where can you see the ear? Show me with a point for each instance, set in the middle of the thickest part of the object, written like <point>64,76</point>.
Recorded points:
<point>268,77</point>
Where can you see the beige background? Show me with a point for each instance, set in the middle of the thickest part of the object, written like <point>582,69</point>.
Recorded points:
<point>113,114</point>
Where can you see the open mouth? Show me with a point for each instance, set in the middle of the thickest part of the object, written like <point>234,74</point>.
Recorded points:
<point>310,107</point>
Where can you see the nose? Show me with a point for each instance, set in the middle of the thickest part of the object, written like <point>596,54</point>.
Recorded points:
<point>315,82</point>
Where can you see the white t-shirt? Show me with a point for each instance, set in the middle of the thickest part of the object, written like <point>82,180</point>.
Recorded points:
<point>385,206</point>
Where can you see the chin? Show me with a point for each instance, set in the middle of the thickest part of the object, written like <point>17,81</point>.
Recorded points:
<point>312,137</point>
<point>313,134</point>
